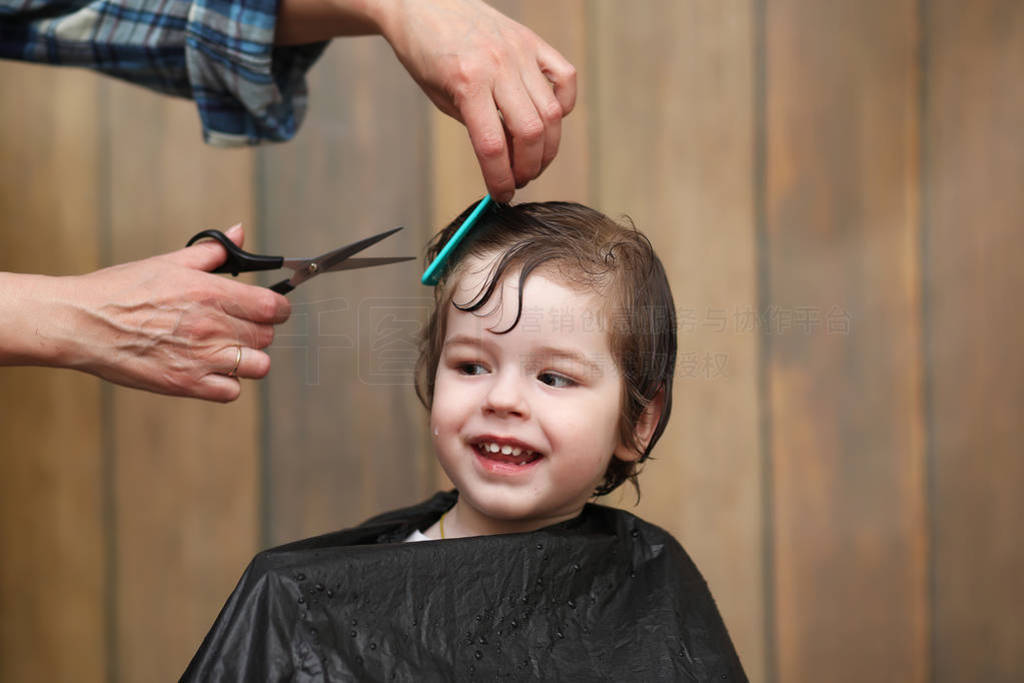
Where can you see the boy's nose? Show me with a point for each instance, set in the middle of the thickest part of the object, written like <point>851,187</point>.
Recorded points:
<point>506,398</point>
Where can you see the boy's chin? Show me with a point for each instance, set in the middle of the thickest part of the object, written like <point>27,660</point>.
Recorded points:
<point>516,513</point>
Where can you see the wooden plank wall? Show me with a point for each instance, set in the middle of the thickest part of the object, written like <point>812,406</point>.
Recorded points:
<point>974,215</point>
<point>53,524</point>
<point>841,231</point>
<point>834,188</point>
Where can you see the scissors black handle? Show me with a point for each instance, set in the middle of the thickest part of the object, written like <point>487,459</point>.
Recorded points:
<point>282,287</point>
<point>239,260</point>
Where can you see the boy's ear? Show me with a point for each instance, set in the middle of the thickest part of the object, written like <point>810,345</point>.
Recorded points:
<point>644,430</point>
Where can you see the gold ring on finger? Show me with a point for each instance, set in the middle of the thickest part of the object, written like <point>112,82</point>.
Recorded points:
<point>238,361</point>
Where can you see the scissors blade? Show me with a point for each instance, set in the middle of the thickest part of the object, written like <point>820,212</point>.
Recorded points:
<point>368,262</point>
<point>324,262</point>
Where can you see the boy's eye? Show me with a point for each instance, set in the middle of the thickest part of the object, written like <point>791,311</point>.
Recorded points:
<point>553,379</point>
<point>471,369</point>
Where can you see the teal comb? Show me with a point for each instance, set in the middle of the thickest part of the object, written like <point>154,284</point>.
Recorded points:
<point>433,272</point>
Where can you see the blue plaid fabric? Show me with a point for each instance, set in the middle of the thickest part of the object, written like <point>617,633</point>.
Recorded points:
<point>220,53</point>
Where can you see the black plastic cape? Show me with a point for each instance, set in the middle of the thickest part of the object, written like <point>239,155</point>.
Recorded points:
<point>604,596</point>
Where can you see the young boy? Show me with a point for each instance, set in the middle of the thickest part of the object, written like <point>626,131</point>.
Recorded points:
<point>547,367</point>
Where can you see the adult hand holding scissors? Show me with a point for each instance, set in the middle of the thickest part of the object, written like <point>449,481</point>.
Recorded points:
<point>163,324</point>
<point>175,327</point>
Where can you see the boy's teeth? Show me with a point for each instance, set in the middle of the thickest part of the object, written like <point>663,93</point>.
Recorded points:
<point>506,449</point>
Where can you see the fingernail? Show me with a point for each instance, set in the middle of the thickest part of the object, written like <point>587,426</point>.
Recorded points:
<point>234,228</point>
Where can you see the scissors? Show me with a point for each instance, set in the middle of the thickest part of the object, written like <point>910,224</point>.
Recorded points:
<point>241,261</point>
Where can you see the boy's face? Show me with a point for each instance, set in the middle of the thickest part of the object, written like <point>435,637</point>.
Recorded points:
<point>546,396</point>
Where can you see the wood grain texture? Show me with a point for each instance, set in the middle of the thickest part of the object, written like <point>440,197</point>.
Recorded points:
<point>186,471</point>
<point>345,433</point>
<point>52,540</point>
<point>673,148</point>
<point>974,212</point>
<point>843,338</point>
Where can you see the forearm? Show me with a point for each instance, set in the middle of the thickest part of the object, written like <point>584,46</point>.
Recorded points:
<point>300,22</point>
<point>37,322</point>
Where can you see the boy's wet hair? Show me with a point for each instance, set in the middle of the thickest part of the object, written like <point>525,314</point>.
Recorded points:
<point>588,250</point>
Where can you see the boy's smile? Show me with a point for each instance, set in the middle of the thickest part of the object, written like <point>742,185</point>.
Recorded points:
<point>505,454</point>
<point>525,422</point>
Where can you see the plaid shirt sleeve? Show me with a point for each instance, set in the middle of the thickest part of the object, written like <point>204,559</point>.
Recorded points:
<point>220,53</point>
